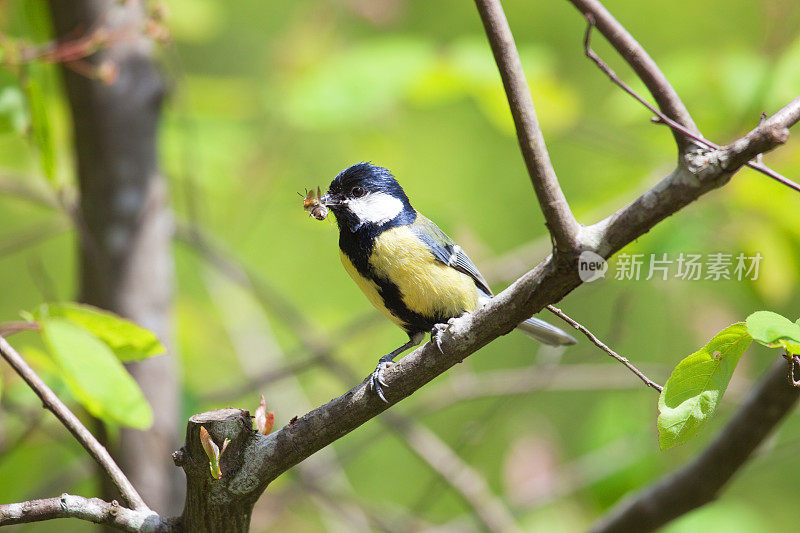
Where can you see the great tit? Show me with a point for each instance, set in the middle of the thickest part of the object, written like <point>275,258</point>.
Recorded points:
<point>406,266</point>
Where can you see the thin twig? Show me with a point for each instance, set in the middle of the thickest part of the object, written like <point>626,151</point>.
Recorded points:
<point>63,200</point>
<point>29,188</point>
<point>51,402</point>
<point>597,342</point>
<point>602,65</point>
<point>557,214</point>
<point>641,62</point>
<point>10,328</point>
<point>33,235</point>
<point>697,174</point>
<point>26,413</point>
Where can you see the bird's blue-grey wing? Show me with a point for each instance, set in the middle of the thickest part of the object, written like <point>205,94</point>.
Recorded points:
<point>447,251</point>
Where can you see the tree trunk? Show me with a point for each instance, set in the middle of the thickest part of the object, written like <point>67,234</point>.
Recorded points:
<point>123,219</point>
<point>211,504</point>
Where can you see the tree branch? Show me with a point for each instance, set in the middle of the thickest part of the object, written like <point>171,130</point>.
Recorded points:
<point>10,328</point>
<point>696,174</point>
<point>51,402</point>
<point>557,214</point>
<point>89,509</point>
<point>701,481</point>
<point>635,55</point>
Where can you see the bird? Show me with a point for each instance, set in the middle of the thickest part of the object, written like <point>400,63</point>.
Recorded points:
<point>407,267</point>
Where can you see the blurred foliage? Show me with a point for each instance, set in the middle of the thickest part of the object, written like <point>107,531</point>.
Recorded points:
<point>271,98</point>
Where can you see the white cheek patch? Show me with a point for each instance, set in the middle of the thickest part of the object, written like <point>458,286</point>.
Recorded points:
<point>375,207</point>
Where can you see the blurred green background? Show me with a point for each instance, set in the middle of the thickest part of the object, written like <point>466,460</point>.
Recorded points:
<point>270,98</point>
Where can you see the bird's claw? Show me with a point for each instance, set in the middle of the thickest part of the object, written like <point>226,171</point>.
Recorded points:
<point>436,335</point>
<point>376,381</point>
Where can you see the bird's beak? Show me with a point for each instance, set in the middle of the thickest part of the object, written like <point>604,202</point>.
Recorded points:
<point>329,200</point>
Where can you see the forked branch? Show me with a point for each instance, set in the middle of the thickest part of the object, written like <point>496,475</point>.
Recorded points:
<point>637,57</point>
<point>764,132</point>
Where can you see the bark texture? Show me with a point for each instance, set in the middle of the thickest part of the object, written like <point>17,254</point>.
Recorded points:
<point>124,223</point>
<point>211,507</point>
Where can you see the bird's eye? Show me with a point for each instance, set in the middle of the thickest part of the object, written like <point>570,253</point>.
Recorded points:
<point>357,192</point>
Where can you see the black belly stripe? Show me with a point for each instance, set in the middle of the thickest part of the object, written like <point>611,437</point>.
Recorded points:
<point>357,245</point>
<point>393,300</point>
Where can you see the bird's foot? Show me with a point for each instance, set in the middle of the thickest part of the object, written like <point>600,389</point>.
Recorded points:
<point>376,381</point>
<point>436,334</point>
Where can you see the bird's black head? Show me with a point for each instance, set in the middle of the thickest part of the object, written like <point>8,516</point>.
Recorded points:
<point>366,194</point>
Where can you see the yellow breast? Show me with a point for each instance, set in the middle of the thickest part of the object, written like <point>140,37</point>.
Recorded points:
<point>368,287</point>
<point>427,286</point>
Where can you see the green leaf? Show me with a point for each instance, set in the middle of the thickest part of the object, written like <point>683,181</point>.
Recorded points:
<point>95,376</point>
<point>773,330</point>
<point>129,341</point>
<point>695,388</point>
<point>42,129</point>
<point>41,360</point>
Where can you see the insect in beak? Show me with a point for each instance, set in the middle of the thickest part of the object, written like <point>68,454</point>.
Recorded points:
<point>314,204</point>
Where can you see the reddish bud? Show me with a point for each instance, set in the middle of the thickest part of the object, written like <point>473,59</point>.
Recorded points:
<point>264,419</point>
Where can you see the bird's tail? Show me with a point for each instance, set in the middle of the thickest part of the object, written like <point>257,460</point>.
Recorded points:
<point>538,329</point>
<point>545,333</point>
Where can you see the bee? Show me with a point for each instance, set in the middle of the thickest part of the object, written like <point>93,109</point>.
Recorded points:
<point>312,204</point>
